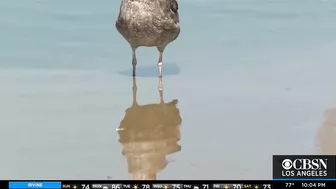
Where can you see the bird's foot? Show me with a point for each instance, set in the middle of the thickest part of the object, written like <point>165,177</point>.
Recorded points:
<point>175,101</point>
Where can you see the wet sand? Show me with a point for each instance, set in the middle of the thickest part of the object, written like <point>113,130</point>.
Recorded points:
<point>255,84</point>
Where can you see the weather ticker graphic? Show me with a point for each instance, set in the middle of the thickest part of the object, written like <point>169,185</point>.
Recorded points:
<point>313,171</point>
<point>150,184</point>
<point>135,185</point>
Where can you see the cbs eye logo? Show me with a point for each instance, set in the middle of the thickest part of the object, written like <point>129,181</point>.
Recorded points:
<point>287,164</point>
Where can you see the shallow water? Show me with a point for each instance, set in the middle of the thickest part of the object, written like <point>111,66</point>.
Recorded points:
<point>252,79</point>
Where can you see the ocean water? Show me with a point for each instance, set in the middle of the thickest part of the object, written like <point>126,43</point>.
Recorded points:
<point>253,78</point>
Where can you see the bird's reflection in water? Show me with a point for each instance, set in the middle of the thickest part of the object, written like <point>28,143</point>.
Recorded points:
<point>148,133</point>
<point>326,140</point>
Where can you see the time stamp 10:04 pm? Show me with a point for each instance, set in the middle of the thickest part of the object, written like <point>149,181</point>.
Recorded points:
<point>307,184</point>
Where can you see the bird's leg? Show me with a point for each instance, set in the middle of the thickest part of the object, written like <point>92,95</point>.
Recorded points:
<point>161,90</point>
<point>134,90</point>
<point>134,60</point>
<point>160,61</point>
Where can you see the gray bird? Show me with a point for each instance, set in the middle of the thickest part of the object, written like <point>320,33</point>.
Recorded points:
<point>148,23</point>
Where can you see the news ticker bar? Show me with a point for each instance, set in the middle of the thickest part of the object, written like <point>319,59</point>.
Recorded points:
<point>265,184</point>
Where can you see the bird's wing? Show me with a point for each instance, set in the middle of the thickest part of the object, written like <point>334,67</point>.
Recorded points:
<point>174,5</point>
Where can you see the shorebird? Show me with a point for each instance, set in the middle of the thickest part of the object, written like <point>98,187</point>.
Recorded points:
<point>149,23</point>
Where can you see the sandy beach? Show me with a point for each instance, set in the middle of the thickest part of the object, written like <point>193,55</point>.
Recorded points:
<point>252,79</point>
